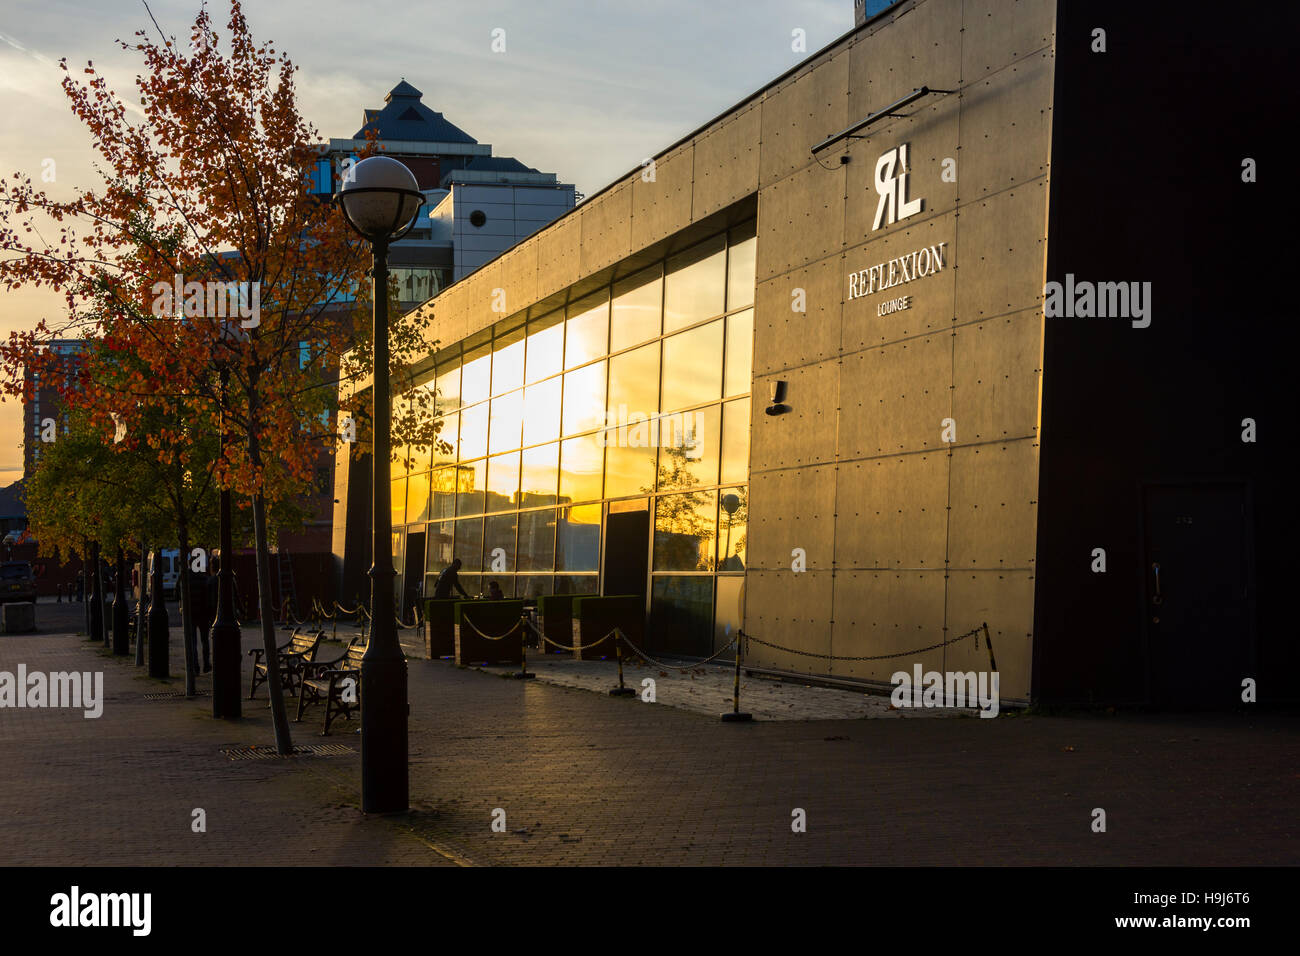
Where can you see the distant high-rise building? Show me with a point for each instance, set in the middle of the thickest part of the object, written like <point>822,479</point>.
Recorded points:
<point>43,402</point>
<point>476,205</point>
<point>864,10</point>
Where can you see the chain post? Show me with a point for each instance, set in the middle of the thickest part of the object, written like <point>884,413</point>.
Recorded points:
<point>620,690</point>
<point>735,715</point>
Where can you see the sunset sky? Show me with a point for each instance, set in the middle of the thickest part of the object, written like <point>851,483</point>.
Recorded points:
<point>582,90</point>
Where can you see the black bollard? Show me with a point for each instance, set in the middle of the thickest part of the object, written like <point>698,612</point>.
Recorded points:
<point>95,597</point>
<point>159,633</point>
<point>121,617</point>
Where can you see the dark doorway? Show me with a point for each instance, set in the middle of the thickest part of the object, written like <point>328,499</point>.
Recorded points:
<point>413,573</point>
<point>627,550</point>
<point>1198,594</point>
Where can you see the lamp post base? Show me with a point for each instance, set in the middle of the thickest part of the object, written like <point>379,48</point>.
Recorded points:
<point>736,717</point>
<point>385,785</point>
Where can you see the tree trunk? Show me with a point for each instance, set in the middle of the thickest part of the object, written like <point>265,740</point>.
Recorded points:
<point>279,716</point>
<point>85,584</point>
<point>187,607</point>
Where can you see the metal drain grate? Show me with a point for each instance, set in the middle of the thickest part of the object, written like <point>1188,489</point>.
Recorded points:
<point>170,696</point>
<point>270,753</point>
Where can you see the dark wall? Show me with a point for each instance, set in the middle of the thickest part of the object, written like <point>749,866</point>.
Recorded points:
<point>1147,150</point>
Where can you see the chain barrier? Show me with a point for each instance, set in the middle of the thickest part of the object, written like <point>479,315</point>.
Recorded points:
<point>875,657</point>
<point>708,660</point>
<point>489,637</point>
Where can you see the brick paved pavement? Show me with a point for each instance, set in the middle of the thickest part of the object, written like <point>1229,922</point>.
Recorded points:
<point>589,779</point>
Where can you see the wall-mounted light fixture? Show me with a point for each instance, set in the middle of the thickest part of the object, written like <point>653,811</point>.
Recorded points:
<point>777,406</point>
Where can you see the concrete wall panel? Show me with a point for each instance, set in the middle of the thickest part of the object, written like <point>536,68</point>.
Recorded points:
<point>792,509</point>
<point>662,207</point>
<point>786,338</point>
<point>996,32</point>
<point>558,256</point>
<point>891,513</point>
<point>606,225</point>
<point>1005,599</point>
<point>886,612</point>
<point>932,297</point>
<point>996,377</point>
<point>895,398</point>
<point>802,112</point>
<point>994,507</point>
<point>918,47</point>
<point>800,220</point>
<point>789,609</point>
<point>726,162</point>
<point>1011,106</point>
<point>806,434</point>
<point>1001,251</point>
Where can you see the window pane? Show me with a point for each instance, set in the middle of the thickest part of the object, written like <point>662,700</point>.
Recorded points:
<point>442,494</point>
<point>542,411</point>
<point>728,617</point>
<point>740,266</point>
<point>447,384</point>
<point>695,284</point>
<point>733,523</point>
<point>540,475</point>
<point>587,333</point>
<point>532,586</point>
<point>537,540</point>
<point>629,462</point>
<point>508,361</point>
<point>740,352</point>
<point>448,437</point>
<point>469,487</point>
<point>438,553</point>
<point>476,376</point>
<point>635,314</point>
<point>584,399</point>
<point>685,526</point>
<point>692,367</point>
<point>545,346</point>
<point>399,502</point>
<point>735,441</point>
<point>473,432</point>
<point>576,584</point>
<point>507,416</point>
<point>499,545</point>
<point>634,383</point>
<point>681,614</point>
<point>577,544</point>
<point>688,448</point>
<point>417,498</point>
<point>503,482</point>
<point>581,461</point>
<point>469,548</point>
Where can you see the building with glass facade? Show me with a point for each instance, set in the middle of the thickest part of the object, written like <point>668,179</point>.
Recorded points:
<point>807,370</point>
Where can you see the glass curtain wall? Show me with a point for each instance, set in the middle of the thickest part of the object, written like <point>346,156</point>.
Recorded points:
<point>638,390</point>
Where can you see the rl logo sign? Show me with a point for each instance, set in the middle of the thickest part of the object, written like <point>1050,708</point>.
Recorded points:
<point>891,183</point>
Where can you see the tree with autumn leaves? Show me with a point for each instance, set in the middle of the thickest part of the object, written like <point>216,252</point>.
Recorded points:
<point>205,249</point>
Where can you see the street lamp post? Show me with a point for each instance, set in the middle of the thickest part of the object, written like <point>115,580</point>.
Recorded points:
<point>380,199</point>
<point>225,630</point>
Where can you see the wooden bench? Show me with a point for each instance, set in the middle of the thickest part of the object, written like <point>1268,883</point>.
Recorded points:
<point>336,682</point>
<point>299,651</point>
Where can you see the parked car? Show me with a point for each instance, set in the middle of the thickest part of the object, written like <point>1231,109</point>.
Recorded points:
<point>17,582</point>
